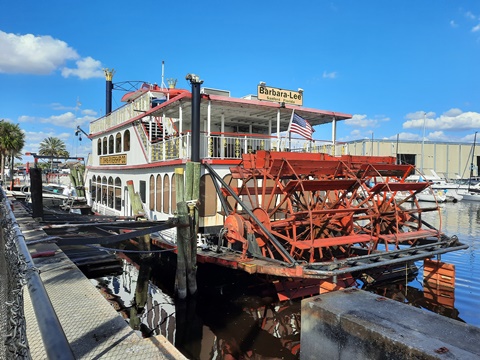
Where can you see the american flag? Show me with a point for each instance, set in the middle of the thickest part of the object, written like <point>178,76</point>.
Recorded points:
<point>301,126</point>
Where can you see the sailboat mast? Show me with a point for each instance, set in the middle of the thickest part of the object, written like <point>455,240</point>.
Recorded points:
<point>473,157</point>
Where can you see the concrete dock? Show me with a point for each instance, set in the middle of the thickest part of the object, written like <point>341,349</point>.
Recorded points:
<point>92,326</point>
<point>355,324</point>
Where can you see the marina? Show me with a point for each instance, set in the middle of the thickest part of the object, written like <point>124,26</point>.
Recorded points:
<point>206,219</point>
<point>234,314</point>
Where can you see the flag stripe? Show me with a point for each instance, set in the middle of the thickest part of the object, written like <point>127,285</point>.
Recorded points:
<point>301,126</point>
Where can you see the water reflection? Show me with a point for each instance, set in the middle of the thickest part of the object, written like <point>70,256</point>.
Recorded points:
<point>235,317</point>
<point>224,322</point>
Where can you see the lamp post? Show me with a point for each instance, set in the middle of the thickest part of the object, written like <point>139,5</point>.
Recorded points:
<point>423,139</point>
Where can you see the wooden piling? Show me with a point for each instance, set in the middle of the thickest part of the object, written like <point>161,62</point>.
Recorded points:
<point>193,178</point>
<point>139,213</point>
<point>76,178</point>
<point>188,193</point>
<point>183,234</point>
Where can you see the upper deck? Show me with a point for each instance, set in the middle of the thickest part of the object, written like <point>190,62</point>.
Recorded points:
<point>162,120</point>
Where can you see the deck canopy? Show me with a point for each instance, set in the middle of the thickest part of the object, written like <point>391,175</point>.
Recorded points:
<point>241,113</point>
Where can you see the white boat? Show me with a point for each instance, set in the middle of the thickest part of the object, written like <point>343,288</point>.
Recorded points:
<point>53,195</point>
<point>426,195</point>
<point>471,192</point>
<point>469,195</point>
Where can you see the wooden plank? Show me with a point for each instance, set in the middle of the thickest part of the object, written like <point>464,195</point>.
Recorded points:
<point>320,185</point>
<point>411,235</point>
<point>398,187</point>
<point>334,241</point>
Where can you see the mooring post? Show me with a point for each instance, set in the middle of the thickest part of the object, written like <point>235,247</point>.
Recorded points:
<point>183,234</point>
<point>36,192</point>
<point>192,194</point>
<point>138,212</point>
<point>141,295</point>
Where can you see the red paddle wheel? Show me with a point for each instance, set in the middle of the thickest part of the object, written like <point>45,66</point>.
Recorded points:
<point>315,208</point>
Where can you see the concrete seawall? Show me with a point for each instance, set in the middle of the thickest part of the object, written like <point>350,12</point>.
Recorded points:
<point>354,324</point>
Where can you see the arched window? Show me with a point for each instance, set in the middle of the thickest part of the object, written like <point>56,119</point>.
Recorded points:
<point>104,190</point>
<point>118,194</point>
<point>110,194</point>
<point>118,143</point>
<point>166,194</point>
<point>105,146</point>
<point>126,140</point>
<point>93,188</point>
<point>110,144</point>
<point>159,193</point>
<point>151,189</point>
<point>208,197</point>
<point>99,147</point>
<point>173,195</point>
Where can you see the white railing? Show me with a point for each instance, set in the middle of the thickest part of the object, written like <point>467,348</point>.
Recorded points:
<point>122,114</point>
<point>220,146</point>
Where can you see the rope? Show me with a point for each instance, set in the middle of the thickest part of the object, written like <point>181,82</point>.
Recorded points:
<point>101,248</point>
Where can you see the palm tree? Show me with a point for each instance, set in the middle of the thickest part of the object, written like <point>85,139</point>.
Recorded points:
<point>12,140</point>
<point>54,147</point>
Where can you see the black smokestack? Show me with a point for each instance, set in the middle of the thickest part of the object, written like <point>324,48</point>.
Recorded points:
<point>196,82</point>
<point>108,91</point>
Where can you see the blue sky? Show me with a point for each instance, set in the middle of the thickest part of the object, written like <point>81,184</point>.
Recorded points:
<point>385,62</point>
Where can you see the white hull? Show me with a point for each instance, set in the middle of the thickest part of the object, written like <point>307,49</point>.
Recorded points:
<point>469,196</point>
<point>426,196</point>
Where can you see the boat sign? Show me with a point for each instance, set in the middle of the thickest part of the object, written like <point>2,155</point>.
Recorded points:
<point>113,160</point>
<point>279,95</point>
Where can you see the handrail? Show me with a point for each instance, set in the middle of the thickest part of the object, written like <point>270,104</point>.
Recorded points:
<point>53,337</point>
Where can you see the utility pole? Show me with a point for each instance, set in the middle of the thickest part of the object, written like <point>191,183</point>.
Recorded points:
<point>423,141</point>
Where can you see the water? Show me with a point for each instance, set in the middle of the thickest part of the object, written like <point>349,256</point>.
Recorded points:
<point>235,317</point>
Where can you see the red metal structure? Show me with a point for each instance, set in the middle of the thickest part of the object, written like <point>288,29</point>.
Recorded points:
<point>316,208</point>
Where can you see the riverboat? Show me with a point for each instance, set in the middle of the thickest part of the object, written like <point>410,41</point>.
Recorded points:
<point>272,200</point>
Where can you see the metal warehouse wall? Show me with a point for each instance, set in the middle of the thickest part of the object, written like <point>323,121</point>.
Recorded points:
<point>451,160</point>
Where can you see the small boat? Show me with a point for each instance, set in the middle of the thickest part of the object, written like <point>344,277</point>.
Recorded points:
<point>426,195</point>
<point>472,193</point>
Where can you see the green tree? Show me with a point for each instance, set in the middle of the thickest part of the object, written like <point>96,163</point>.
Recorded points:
<point>54,147</point>
<point>12,140</point>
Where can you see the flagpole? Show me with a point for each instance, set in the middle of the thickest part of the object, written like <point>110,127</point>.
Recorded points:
<point>289,132</point>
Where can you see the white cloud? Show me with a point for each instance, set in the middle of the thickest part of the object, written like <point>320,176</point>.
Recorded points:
<point>29,54</point>
<point>42,55</point>
<point>405,136</point>
<point>86,68</point>
<point>34,138</point>
<point>453,112</point>
<point>476,28</point>
<point>361,121</point>
<point>67,120</point>
<point>25,119</point>
<point>469,15</point>
<point>89,112</point>
<point>437,136</point>
<point>419,115</point>
<point>329,75</point>
<point>452,120</point>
